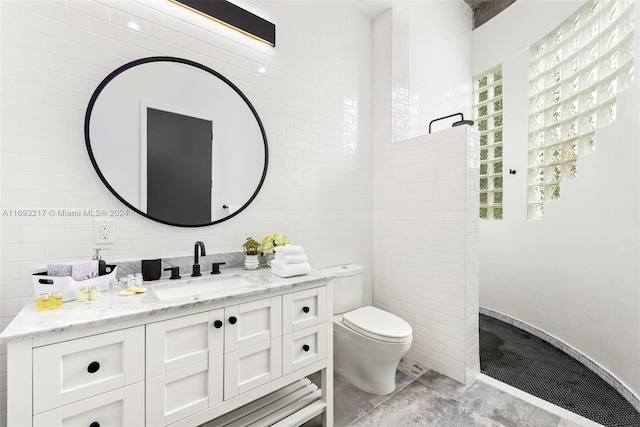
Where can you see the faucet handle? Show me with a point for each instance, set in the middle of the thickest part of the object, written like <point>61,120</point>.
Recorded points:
<point>175,272</point>
<point>195,271</point>
<point>215,267</point>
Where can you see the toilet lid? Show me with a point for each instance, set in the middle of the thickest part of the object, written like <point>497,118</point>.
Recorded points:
<point>378,324</point>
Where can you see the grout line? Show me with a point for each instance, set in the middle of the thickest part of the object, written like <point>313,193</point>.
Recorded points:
<point>594,367</point>
<point>543,404</point>
<point>391,395</point>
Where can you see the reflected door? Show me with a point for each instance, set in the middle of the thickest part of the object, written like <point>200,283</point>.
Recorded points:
<point>179,167</point>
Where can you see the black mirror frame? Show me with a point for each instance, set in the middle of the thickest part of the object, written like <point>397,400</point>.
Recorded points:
<point>125,67</point>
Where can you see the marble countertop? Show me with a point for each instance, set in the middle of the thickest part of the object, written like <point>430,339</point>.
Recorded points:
<point>111,308</point>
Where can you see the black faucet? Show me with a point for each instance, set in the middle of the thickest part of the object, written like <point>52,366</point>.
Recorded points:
<point>196,265</point>
<point>215,267</point>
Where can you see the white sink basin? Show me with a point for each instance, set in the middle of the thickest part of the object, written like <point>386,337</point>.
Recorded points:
<point>204,287</point>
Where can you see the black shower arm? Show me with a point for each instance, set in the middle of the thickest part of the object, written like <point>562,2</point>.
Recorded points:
<point>445,117</point>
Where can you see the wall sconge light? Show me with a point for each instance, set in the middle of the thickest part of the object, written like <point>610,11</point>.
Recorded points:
<point>232,16</point>
<point>460,122</point>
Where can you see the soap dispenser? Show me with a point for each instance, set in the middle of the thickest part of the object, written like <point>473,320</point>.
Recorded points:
<point>102,265</point>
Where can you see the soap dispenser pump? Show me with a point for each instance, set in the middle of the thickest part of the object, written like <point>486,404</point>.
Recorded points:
<point>102,265</point>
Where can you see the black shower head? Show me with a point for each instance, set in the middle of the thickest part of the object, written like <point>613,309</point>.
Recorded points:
<point>462,122</point>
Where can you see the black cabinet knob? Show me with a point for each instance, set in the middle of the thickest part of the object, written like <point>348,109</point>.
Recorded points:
<point>217,324</point>
<point>305,309</point>
<point>94,424</point>
<point>93,367</point>
<point>306,347</point>
<point>233,320</point>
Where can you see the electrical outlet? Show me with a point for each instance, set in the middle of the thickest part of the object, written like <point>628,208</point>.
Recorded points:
<point>105,232</point>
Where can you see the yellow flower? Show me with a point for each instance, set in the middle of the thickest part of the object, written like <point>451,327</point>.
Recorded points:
<point>273,240</point>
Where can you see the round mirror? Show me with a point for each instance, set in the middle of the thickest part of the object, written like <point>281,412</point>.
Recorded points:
<point>176,141</point>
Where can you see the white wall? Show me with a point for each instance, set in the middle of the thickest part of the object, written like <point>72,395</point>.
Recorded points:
<point>430,65</point>
<point>425,193</point>
<point>574,275</point>
<point>314,102</point>
<point>426,246</point>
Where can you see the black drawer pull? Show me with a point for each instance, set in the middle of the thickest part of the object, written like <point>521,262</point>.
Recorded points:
<point>93,368</point>
<point>233,320</point>
<point>306,347</point>
<point>305,309</point>
<point>94,424</point>
<point>217,324</point>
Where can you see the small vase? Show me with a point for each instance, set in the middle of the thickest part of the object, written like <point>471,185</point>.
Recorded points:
<point>269,258</point>
<point>251,262</point>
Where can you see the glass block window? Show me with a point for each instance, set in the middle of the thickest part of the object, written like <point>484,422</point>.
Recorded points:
<point>488,108</point>
<point>575,74</point>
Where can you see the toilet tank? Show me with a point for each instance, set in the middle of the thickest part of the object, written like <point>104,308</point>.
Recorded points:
<point>347,287</point>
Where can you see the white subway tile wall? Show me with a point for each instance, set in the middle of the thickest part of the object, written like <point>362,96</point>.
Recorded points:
<point>425,202</point>
<point>430,72</point>
<point>426,247</point>
<point>314,101</point>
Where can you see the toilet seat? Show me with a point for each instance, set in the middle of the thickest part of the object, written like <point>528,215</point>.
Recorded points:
<point>378,324</point>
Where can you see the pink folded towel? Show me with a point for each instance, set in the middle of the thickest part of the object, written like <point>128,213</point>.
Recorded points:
<point>289,270</point>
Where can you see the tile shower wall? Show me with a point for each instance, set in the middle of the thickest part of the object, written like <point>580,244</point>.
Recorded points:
<point>426,218</point>
<point>426,246</point>
<point>575,274</point>
<point>421,90</point>
<point>314,101</point>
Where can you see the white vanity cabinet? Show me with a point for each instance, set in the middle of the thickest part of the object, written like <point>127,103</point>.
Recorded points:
<point>200,363</point>
<point>95,380</point>
<point>184,359</point>
<point>302,309</point>
<point>120,407</point>
<point>253,345</point>
<point>304,328</point>
<point>197,361</point>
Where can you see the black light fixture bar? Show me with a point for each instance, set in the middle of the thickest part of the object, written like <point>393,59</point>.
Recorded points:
<point>235,17</point>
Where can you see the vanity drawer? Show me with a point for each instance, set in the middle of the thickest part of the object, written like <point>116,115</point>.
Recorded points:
<point>303,309</point>
<point>116,408</point>
<point>304,347</point>
<point>74,370</point>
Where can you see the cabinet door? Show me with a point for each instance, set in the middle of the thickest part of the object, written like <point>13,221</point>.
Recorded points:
<point>253,345</point>
<point>304,347</point>
<point>117,408</point>
<point>184,366</point>
<point>303,309</point>
<point>73,370</point>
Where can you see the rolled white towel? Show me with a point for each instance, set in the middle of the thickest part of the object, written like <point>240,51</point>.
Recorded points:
<point>289,250</point>
<point>291,259</point>
<point>289,270</point>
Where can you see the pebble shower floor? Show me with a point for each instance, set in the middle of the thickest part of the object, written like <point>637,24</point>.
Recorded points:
<point>530,364</point>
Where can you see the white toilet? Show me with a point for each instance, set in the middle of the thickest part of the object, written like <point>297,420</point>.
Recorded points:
<point>368,342</point>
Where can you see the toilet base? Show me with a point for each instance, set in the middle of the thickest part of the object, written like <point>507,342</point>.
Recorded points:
<point>366,363</point>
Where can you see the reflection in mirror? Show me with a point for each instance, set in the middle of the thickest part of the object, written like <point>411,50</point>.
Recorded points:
<point>176,141</point>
